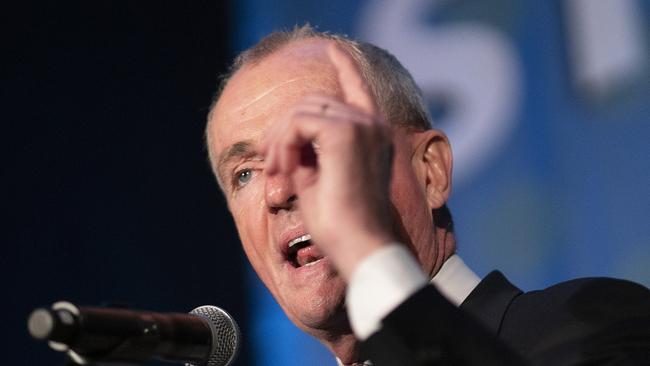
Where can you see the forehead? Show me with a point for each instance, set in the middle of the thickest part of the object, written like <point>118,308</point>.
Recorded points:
<point>257,93</point>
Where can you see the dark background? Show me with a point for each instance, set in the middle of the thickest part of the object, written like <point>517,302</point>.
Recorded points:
<point>107,194</point>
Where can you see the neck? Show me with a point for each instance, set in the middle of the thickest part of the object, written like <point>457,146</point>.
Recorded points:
<point>337,336</point>
<point>345,348</point>
<point>444,246</point>
<point>340,340</point>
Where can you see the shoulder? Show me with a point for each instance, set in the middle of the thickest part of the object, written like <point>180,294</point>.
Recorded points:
<point>589,297</point>
<point>585,301</point>
<point>575,310</point>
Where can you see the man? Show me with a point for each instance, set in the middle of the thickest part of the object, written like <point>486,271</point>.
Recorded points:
<point>338,188</point>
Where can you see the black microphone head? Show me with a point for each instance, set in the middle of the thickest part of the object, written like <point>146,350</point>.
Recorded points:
<point>225,335</point>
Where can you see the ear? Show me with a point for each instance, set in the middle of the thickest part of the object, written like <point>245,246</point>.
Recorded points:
<point>433,155</point>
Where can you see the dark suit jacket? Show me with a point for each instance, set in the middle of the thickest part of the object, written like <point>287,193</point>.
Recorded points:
<point>594,321</point>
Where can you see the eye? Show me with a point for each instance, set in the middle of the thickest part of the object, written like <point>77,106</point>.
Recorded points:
<point>242,177</point>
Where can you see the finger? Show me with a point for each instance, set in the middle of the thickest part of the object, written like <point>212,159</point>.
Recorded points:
<point>336,111</point>
<point>277,147</point>
<point>296,141</point>
<point>281,156</point>
<point>355,89</point>
<point>289,156</point>
<point>329,106</point>
<point>270,159</point>
<point>305,128</point>
<point>269,145</point>
<point>313,104</point>
<point>284,148</point>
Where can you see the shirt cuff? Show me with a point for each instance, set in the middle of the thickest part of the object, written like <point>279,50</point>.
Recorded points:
<point>382,281</point>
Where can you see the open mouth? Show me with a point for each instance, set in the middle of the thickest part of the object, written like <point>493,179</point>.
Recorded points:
<point>302,253</point>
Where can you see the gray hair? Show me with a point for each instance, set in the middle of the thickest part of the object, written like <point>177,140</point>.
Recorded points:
<point>398,97</point>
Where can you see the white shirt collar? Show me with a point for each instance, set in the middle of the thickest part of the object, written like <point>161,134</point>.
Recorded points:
<point>455,280</point>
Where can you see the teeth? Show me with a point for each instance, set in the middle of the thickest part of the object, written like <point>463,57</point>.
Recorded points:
<point>312,263</point>
<point>299,239</point>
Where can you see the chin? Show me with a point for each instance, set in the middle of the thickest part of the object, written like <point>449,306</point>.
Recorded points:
<point>320,308</point>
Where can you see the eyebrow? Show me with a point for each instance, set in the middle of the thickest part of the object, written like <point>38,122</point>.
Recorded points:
<point>236,151</point>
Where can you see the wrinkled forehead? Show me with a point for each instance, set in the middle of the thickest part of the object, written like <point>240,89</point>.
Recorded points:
<point>258,93</point>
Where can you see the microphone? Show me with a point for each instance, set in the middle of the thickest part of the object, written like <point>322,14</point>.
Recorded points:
<point>207,336</point>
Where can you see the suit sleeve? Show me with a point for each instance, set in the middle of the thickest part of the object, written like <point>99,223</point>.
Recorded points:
<point>428,330</point>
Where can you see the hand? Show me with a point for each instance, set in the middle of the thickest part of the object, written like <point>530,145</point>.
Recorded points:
<point>338,155</point>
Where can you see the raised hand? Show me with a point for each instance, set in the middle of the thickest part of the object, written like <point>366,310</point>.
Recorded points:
<point>337,153</point>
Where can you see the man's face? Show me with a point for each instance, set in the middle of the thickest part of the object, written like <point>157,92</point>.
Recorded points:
<point>265,208</point>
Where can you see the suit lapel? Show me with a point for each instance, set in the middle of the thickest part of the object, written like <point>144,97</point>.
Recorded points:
<point>489,301</point>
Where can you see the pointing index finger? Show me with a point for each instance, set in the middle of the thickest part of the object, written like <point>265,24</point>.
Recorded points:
<point>355,88</point>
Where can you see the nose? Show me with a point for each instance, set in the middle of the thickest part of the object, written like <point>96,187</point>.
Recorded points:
<point>279,193</point>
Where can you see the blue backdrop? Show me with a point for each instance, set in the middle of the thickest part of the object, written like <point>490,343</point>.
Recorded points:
<point>546,104</point>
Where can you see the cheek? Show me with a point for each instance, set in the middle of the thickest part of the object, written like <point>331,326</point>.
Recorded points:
<point>247,206</point>
<point>409,202</point>
<point>248,211</point>
<point>407,194</point>
<point>413,218</point>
